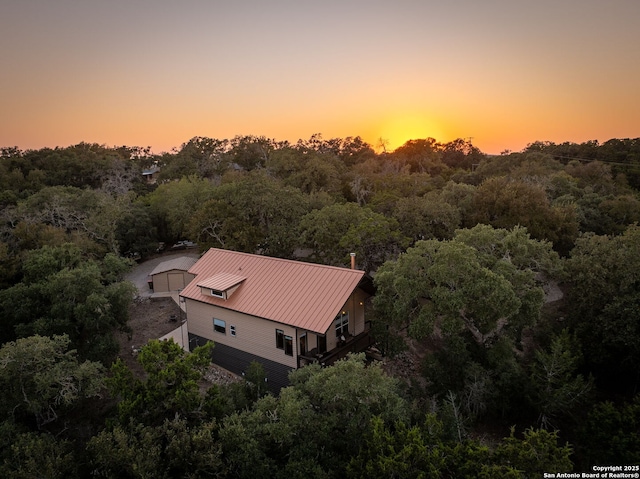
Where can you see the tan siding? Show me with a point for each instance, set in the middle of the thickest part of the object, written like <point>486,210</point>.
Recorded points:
<point>160,283</point>
<point>176,281</point>
<point>253,335</point>
<point>173,280</point>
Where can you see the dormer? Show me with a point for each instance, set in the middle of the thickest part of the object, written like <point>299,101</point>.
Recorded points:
<point>221,285</point>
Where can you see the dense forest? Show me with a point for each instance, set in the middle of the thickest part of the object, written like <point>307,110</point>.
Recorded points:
<point>516,273</point>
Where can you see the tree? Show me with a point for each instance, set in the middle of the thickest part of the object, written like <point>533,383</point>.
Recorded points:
<point>64,292</point>
<point>536,453</point>
<point>339,229</point>
<point>40,377</point>
<point>505,203</point>
<point>605,298</point>
<point>374,239</point>
<point>170,387</point>
<point>611,434</point>
<point>173,203</point>
<point>255,213</point>
<point>171,449</point>
<point>32,454</point>
<point>461,153</point>
<point>558,390</point>
<point>427,217</point>
<point>314,426</point>
<point>422,156</point>
<point>458,287</point>
<point>210,157</point>
<point>398,451</point>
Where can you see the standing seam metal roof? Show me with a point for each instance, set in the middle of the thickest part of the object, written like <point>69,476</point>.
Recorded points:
<point>182,263</point>
<point>303,295</point>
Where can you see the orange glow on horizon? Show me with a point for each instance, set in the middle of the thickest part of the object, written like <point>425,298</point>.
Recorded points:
<point>399,129</point>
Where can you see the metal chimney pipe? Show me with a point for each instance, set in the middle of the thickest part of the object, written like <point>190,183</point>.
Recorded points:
<point>353,260</point>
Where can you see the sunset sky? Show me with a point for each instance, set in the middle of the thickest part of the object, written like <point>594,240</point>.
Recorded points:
<point>157,72</point>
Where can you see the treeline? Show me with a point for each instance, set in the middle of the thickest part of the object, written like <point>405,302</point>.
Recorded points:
<point>516,273</point>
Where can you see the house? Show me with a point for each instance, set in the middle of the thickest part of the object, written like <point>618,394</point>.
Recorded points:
<point>151,174</point>
<point>282,313</point>
<point>171,275</point>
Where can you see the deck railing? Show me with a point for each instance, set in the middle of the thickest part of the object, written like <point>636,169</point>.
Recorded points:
<point>353,344</point>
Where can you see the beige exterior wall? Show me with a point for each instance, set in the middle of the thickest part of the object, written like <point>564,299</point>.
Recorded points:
<point>253,335</point>
<point>258,336</point>
<point>173,280</point>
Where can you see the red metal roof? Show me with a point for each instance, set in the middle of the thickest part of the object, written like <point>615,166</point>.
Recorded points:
<point>303,295</point>
<point>221,281</point>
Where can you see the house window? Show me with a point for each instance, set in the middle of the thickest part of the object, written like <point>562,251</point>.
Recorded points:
<point>288,345</point>
<point>219,326</point>
<point>279,339</point>
<point>342,324</point>
<point>217,294</point>
<point>232,330</point>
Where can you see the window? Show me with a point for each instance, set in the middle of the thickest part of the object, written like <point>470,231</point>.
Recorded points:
<point>279,339</point>
<point>288,345</point>
<point>217,294</point>
<point>219,326</point>
<point>342,324</point>
<point>232,329</point>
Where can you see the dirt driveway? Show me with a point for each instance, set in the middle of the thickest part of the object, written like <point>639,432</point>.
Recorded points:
<point>151,317</point>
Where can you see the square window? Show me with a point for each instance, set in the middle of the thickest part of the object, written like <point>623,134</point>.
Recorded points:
<point>288,345</point>
<point>219,326</point>
<point>279,339</point>
<point>232,330</point>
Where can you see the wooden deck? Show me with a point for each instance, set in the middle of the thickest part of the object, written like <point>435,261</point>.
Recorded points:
<point>354,344</point>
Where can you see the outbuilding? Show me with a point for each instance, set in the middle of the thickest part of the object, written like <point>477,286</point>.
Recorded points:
<point>172,275</point>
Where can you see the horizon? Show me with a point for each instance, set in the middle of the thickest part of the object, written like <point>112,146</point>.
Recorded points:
<point>377,149</point>
<point>156,74</point>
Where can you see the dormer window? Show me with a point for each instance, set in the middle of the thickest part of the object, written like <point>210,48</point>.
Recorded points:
<point>221,285</point>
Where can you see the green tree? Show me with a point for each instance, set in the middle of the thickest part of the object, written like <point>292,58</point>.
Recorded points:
<point>315,425</point>
<point>64,292</point>
<point>40,377</point>
<point>427,217</point>
<point>536,453</point>
<point>171,449</point>
<point>339,229</point>
<point>605,298</point>
<point>173,203</point>
<point>170,386</point>
<point>422,156</point>
<point>458,287</point>
<point>611,434</point>
<point>41,455</point>
<point>558,390</point>
<point>254,213</point>
<point>422,451</point>
<point>505,203</point>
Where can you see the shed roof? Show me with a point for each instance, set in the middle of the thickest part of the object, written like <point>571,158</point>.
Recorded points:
<point>182,263</point>
<point>303,295</point>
